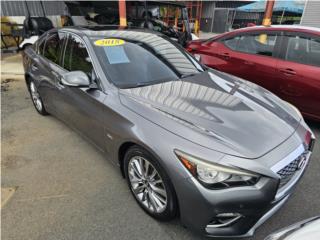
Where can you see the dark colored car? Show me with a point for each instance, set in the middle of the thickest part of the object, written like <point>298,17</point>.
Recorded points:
<point>282,59</point>
<point>308,229</point>
<point>223,153</point>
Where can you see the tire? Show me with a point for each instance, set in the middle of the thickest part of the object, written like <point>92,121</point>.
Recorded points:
<point>36,98</point>
<point>155,189</point>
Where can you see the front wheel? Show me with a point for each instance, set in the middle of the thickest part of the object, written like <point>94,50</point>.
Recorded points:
<point>36,99</point>
<point>149,184</point>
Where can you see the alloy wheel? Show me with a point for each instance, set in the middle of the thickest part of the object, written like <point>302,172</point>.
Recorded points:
<point>35,96</point>
<point>147,184</point>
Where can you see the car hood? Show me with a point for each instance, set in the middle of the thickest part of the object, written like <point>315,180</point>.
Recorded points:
<point>218,111</point>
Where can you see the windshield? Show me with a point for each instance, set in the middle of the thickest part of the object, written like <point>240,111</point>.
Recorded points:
<point>133,59</point>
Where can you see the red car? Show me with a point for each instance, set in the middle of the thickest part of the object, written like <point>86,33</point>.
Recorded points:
<point>282,59</point>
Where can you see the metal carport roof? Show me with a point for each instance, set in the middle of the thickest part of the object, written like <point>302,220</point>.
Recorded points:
<point>293,6</point>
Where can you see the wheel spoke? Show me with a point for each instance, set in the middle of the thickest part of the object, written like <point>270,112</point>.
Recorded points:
<point>152,201</point>
<point>159,197</point>
<point>146,167</point>
<point>159,201</point>
<point>141,167</point>
<point>161,191</point>
<point>136,169</point>
<point>153,174</point>
<point>139,189</point>
<point>156,181</point>
<point>144,196</point>
<point>135,180</point>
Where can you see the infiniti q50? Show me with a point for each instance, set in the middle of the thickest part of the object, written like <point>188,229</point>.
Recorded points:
<point>221,153</point>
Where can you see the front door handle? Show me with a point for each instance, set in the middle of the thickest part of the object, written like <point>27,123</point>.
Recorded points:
<point>56,75</point>
<point>288,71</point>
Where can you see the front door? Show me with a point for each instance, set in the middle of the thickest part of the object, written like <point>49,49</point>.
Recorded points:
<point>252,56</point>
<point>82,106</point>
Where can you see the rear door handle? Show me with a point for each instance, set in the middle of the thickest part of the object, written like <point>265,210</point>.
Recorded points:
<point>288,71</point>
<point>225,55</point>
<point>249,63</point>
<point>290,91</point>
<point>34,67</point>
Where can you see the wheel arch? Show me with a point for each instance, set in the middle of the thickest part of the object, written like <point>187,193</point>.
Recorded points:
<point>123,148</point>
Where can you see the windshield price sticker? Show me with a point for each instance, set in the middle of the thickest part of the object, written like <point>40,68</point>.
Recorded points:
<point>109,42</point>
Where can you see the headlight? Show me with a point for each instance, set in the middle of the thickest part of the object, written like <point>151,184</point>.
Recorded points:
<point>216,176</point>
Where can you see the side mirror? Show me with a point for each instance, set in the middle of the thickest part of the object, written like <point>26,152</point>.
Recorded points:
<point>75,79</point>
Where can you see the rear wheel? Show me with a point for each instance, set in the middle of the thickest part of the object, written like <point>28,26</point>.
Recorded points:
<point>149,184</point>
<point>36,99</point>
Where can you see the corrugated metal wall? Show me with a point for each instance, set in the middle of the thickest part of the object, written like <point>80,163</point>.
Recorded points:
<point>207,15</point>
<point>19,8</point>
<point>311,14</point>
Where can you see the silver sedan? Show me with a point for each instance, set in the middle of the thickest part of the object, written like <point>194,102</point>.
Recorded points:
<point>221,153</point>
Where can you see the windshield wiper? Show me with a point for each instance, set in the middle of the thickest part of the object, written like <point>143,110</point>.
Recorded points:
<point>187,75</point>
<point>142,84</point>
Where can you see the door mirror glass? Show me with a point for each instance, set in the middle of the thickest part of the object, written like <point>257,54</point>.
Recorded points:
<point>75,79</point>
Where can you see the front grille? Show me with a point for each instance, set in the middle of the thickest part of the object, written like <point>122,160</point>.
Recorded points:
<point>288,171</point>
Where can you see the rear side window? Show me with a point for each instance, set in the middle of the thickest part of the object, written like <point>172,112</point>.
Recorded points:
<point>259,44</point>
<point>76,56</point>
<point>305,50</point>
<point>53,47</point>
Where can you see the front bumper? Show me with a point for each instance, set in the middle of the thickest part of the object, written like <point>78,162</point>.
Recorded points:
<point>254,205</point>
<point>274,207</point>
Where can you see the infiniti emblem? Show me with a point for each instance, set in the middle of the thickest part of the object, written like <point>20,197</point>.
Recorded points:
<point>302,162</point>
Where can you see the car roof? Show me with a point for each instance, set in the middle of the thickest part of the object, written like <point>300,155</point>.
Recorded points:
<point>99,30</point>
<point>296,28</point>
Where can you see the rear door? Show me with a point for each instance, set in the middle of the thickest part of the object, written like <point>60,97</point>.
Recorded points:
<point>47,67</point>
<point>32,60</point>
<point>299,72</point>
<point>252,56</point>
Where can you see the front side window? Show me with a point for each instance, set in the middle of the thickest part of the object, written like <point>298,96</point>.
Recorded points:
<point>53,47</point>
<point>305,50</point>
<point>76,56</point>
<point>260,44</point>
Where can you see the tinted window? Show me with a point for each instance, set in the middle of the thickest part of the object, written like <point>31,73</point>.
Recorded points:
<point>303,50</point>
<point>76,56</point>
<point>232,42</point>
<point>142,59</point>
<point>53,46</point>
<point>261,44</point>
<point>41,45</point>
